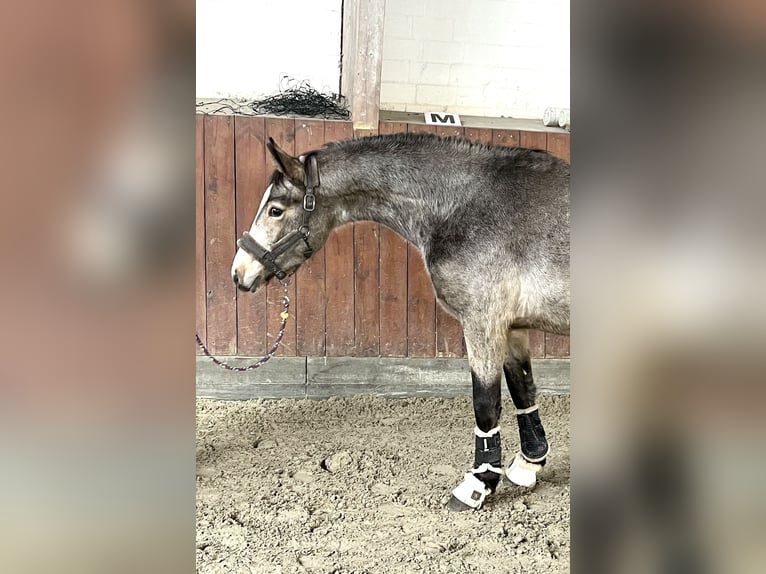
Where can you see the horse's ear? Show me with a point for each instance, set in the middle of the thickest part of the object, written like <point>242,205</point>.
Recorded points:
<point>287,164</point>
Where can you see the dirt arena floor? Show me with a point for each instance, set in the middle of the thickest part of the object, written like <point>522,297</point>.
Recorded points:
<point>357,485</point>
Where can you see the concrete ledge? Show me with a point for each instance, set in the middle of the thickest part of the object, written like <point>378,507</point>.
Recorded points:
<point>324,377</point>
<point>468,121</point>
<point>280,378</point>
<point>386,377</point>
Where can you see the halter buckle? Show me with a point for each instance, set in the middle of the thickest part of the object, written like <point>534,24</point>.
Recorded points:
<point>309,202</point>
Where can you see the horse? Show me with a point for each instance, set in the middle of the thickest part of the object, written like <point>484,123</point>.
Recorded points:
<point>492,225</point>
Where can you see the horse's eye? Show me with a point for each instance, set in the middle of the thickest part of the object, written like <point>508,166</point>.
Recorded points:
<point>275,212</point>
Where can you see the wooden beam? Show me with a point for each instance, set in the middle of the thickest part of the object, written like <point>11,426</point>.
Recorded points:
<point>362,61</point>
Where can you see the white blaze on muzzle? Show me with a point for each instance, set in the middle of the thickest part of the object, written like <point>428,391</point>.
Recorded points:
<point>242,257</point>
<point>264,201</point>
<point>260,237</point>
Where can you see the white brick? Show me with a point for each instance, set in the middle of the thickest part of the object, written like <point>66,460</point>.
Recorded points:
<point>447,7</point>
<point>530,35</point>
<point>413,107</point>
<point>399,49</point>
<point>397,93</point>
<point>425,73</point>
<point>397,26</point>
<point>406,7</point>
<point>501,11</point>
<point>468,96</point>
<point>516,78</point>
<point>432,28</point>
<point>443,52</point>
<point>396,70</point>
<point>464,75</point>
<point>393,106</point>
<point>437,96</point>
<point>477,110</point>
<point>483,54</point>
<point>527,58</point>
<point>507,57</point>
<point>485,30</point>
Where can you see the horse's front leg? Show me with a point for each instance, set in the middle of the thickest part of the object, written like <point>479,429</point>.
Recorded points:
<point>534,446</point>
<point>486,359</point>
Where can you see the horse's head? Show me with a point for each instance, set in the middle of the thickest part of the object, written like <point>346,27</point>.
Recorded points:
<point>287,229</point>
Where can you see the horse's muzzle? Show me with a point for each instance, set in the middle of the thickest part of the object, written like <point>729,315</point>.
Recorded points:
<point>252,288</point>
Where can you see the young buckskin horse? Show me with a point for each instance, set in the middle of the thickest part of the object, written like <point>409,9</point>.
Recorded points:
<point>492,224</point>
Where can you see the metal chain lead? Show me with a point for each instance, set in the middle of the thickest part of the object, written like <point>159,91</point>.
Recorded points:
<point>270,353</point>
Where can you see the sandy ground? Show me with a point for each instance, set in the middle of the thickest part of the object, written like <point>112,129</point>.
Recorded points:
<point>357,485</point>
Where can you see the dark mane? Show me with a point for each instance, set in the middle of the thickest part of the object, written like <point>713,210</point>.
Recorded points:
<point>429,142</point>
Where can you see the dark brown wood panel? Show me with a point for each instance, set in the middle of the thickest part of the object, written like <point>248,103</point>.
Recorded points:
<point>449,332</point>
<point>479,135</point>
<point>366,289</point>
<point>220,235</point>
<point>252,172</point>
<point>558,145</point>
<point>393,280</point>
<point>421,301</point>
<point>556,345</point>
<point>366,293</point>
<point>393,294</point>
<point>366,284</point>
<point>283,132</point>
<point>508,138</point>
<point>310,279</point>
<point>536,344</point>
<point>421,129</point>
<point>421,307</point>
<point>446,131</point>
<point>339,279</point>
<point>199,155</point>
<point>535,140</point>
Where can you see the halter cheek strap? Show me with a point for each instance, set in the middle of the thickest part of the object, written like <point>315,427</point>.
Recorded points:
<point>268,257</point>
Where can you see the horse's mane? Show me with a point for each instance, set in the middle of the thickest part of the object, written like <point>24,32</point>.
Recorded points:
<point>426,141</point>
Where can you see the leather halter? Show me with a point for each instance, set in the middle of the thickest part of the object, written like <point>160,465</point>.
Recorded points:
<point>268,258</point>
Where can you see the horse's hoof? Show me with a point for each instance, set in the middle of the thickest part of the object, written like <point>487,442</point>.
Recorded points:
<point>454,505</point>
<point>469,494</point>
<point>523,472</point>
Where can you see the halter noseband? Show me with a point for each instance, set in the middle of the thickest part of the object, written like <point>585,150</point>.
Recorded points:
<point>268,258</point>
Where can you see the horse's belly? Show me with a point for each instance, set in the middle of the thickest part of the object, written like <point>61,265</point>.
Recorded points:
<point>543,307</point>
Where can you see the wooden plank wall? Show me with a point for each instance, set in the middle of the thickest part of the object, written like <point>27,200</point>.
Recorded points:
<point>366,293</point>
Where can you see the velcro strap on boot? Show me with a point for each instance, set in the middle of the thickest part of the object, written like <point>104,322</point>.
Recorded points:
<point>471,491</point>
<point>488,453</point>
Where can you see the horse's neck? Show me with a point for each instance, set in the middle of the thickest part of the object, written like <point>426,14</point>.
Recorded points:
<point>368,192</point>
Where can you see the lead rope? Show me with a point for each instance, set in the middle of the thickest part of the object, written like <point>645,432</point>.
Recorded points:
<point>270,353</point>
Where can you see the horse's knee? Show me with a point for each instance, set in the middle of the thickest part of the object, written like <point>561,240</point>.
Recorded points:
<point>520,381</point>
<point>487,404</point>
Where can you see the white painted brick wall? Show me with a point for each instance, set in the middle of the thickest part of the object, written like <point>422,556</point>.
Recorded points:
<point>245,46</point>
<point>483,57</point>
